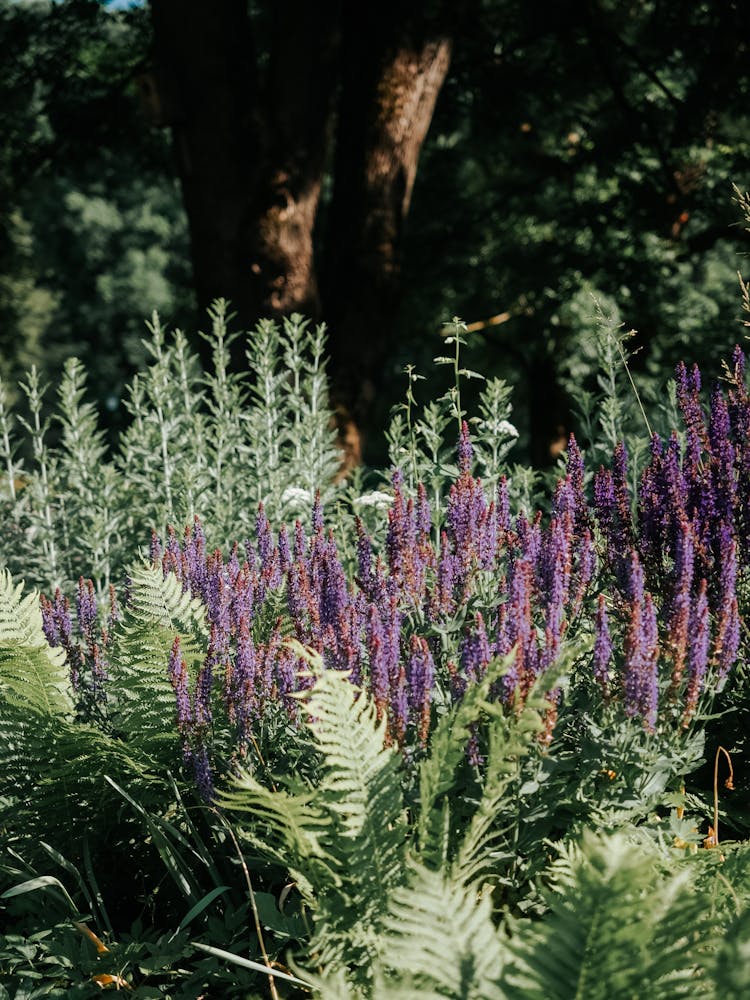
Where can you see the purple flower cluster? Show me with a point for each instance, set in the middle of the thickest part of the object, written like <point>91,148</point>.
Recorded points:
<point>675,561</point>
<point>86,646</point>
<point>652,576</point>
<point>656,579</point>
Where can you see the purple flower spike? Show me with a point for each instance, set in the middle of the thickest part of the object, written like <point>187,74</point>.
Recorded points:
<point>728,631</point>
<point>420,672</point>
<point>177,671</point>
<point>700,638</point>
<point>502,508</point>
<point>171,560</point>
<point>688,396</point>
<point>641,656</point>
<point>576,474</point>
<point>399,709</point>
<point>57,624</point>
<point>263,536</point>
<point>49,621</point>
<point>377,647</point>
<point>679,620</point>
<point>475,650</point>
<point>726,654</point>
<point>154,549</point>
<point>86,611</point>
<point>244,707</point>
<point>424,515</point>
<point>621,488</point>
<point>585,571</point>
<point>300,543</point>
<point>317,515</point>
<point>285,555</point>
<point>602,648</point>
<point>465,450</point>
<point>203,714</point>
<point>364,557</point>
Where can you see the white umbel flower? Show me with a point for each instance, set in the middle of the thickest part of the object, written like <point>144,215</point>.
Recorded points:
<point>296,498</point>
<point>376,499</point>
<point>506,428</point>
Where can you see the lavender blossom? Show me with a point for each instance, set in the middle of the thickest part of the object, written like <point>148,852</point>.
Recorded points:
<point>364,557</point>
<point>420,671</point>
<point>57,625</point>
<point>399,709</point>
<point>680,613</point>
<point>640,681</point>
<point>317,515</point>
<point>263,537</point>
<point>475,650</point>
<point>177,672</point>
<point>285,555</point>
<point>602,647</point>
<point>378,650</point>
<point>244,705</point>
<point>465,450</point>
<point>700,638</point>
<point>86,611</point>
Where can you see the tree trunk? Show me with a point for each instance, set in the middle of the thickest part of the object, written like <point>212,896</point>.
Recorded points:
<point>393,69</point>
<point>252,145</point>
<point>297,109</point>
<point>250,153</point>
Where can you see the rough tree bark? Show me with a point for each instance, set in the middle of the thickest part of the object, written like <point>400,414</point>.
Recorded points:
<point>250,152</point>
<point>393,67</point>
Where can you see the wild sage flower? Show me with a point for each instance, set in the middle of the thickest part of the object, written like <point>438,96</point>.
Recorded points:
<point>602,647</point>
<point>420,674</point>
<point>700,638</point>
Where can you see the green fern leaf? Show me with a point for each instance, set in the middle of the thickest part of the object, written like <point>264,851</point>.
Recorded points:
<point>441,939</point>
<point>33,677</point>
<point>618,927</point>
<point>52,767</point>
<point>345,839</point>
<point>438,770</point>
<point>361,790</point>
<point>158,612</point>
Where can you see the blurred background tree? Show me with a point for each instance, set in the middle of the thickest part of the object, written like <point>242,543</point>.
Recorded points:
<point>574,150</point>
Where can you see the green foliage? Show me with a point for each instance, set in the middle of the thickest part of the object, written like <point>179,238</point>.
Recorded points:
<point>422,438</point>
<point>52,766</point>
<point>615,924</point>
<point>214,445</point>
<point>91,225</point>
<point>143,698</point>
<point>605,167</point>
<point>379,892</point>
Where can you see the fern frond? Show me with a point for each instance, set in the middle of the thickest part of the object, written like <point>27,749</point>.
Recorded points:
<point>350,849</point>
<point>52,767</point>
<point>437,770</point>
<point>159,610</point>
<point>290,829</point>
<point>730,966</point>
<point>33,677</point>
<point>618,926</point>
<point>442,939</point>
<point>361,790</point>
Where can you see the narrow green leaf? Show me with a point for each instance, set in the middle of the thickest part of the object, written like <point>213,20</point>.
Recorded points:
<point>247,963</point>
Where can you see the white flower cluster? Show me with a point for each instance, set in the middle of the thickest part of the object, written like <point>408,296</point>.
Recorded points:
<point>296,498</point>
<point>376,499</point>
<point>506,428</point>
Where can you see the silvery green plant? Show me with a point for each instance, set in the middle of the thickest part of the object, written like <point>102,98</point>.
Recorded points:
<point>422,440</point>
<point>211,444</point>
